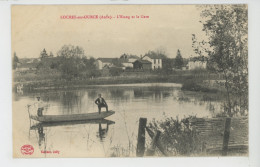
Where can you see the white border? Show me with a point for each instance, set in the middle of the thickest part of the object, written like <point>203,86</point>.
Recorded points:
<point>6,96</point>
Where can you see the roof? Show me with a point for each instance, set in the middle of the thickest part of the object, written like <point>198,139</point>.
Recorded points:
<point>107,60</point>
<point>133,57</point>
<point>143,61</point>
<point>128,58</point>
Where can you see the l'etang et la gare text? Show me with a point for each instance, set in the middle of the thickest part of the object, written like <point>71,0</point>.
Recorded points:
<point>104,17</point>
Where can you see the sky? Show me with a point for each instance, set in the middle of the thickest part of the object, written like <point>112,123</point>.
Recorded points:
<point>168,28</point>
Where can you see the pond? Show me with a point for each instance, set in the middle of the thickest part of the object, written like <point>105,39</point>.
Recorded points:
<point>117,136</point>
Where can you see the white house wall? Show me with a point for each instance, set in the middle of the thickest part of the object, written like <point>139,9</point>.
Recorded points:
<point>128,65</point>
<point>155,65</point>
<point>99,64</point>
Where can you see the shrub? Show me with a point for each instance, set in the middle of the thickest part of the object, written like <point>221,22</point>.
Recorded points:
<point>177,136</point>
<point>193,85</point>
<point>115,71</point>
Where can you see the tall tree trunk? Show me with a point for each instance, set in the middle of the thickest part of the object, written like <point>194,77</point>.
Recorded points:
<point>228,93</point>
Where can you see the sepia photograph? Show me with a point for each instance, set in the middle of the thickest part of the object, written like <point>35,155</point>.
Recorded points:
<point>130,81</point>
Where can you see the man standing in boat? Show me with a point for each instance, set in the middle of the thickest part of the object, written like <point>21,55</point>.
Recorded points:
<point>100,102</point>
<point>40,106</point>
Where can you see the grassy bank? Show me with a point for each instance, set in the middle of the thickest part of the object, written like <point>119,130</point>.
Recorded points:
<point>61,84</point>
<point>191,80</point>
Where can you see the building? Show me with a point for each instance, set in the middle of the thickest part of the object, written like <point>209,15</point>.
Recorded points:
<point>127,60</point>
<point>197,63</point>
<point>126,63</point>
<point>104,62</point>
<point>156,61</point>
<point>123,62</point>
<point>142,65</point>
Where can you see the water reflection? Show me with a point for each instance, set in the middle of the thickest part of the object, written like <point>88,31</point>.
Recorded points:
<point>102,133</point>
<point>43,127</point>
<point>71,102</point>
<point>41,136</point>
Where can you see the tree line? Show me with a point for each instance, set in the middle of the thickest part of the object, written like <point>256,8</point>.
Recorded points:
<point>72,62</point>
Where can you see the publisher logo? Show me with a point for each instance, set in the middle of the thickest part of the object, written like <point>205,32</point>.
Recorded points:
<point>27,150</point>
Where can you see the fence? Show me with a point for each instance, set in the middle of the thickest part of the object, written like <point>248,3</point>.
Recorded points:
<point>211,132</point>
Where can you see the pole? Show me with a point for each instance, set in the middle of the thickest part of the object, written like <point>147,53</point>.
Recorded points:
<point>226,136</point>
<point>141,137</point>
<point>28,106</point>
<point>151,149</point>
<point>158,143</point>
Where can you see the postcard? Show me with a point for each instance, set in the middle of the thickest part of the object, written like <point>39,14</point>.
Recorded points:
<point>129,80</point>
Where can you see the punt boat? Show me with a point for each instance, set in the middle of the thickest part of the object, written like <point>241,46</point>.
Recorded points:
<point>72,117</point>
<point>68,123</point>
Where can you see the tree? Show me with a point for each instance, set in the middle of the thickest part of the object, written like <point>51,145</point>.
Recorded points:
<point>167,65</point>
<point>43,54</point>
<point>178,60</point>
<point>70,61</point>
<point>51,54</point>
<point>15,61</point>
<point>124,56</point>
<point>114,71</point>
<point>74,64</point>
<point>161,51</point>
<point>158,53</point>
<point>90,69</point>
<point>69,51</point>
<point>226,27</point>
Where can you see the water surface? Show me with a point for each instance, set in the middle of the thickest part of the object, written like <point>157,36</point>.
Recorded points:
<point>155,101</point>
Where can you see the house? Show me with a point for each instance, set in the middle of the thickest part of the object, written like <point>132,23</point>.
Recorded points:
<point>198,63</point>
<point>142,65</point>
<point>104,62</point>
<point>184,68</point>
<point>127,60</point>
<point>156,61</point>
<point>123,62</point>
<point>126,63</point>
